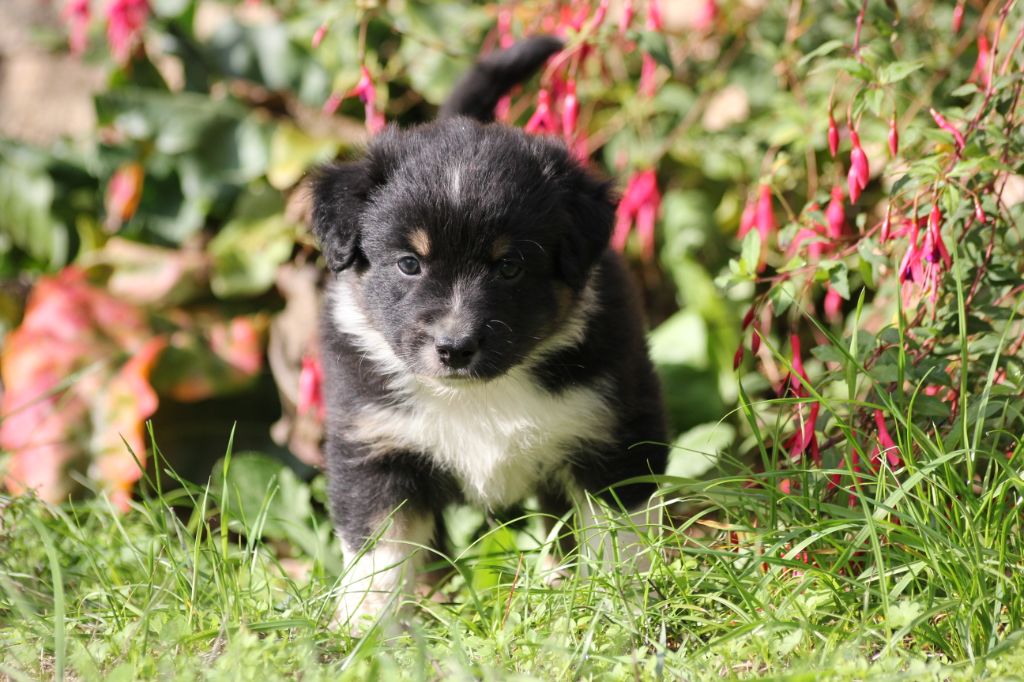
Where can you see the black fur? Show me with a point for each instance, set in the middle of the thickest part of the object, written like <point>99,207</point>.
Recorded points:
<point>490,200</point>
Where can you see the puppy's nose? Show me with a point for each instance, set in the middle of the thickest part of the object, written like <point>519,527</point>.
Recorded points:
<point>456,353</point>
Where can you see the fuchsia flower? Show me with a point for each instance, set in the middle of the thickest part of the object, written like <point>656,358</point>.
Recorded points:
<point>835,214</point>
<point>125,21</point>
<point>941,121</point>
<point>982,72</point>
<point>979,213</point>
<point>833,135</point>
<point>543,120</point>
<point>318,37</point>
<point>883,236</point>
<point>887,444</point>
<point>570,111</point>
<point>894,137</point>
<point>765,216</point>
<point>798,388</point>
<point>367,93</point>
<point>833,304</point>
<point>857,179</point>
<point>628,12</point>
<point>759,214</point>
<point>706,17</point>
<point>76,14</point>
<point>310,382</point>
<point>958,16</point>
<point>639,205</point>
<point>648,83</point>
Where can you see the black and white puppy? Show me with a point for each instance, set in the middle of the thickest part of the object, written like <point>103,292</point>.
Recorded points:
<point>479,341</point>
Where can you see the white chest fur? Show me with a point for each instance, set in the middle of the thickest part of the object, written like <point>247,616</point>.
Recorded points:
<point>497,438</point>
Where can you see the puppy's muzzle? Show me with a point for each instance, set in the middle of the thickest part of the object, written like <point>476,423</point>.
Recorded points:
<point>457,352</point>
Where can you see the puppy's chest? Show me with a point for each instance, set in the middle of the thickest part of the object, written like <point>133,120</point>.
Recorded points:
<point>498,440</point>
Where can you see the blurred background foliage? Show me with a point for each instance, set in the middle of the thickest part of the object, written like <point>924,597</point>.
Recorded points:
<point>171,226</point>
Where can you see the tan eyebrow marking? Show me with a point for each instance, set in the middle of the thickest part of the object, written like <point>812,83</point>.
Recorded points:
<point>500,247</point>
<point>420,242</point>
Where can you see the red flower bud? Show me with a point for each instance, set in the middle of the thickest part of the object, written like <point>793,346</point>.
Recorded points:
<point>981,72</point>
<point>853,184</point>
<point>836,214</point>
<point>958,16</point>
<point>833,304</point>
<point>628,11</point>
<point>979,213</point>
<point>318,37</point>
<point>748,318</point>
<point>859,171</point>
<point>737,359</point>
<point>886,225</point>
<point>941,121</point>
<point>748,219</point>
<point>833,136</point>
<point>543,120</point>
<point>894,137</point>
<point>765,217</point>
<point>755,340</point>
<point>570,111</point>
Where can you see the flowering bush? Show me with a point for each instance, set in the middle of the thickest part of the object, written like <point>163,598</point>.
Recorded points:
<point>862,337</point>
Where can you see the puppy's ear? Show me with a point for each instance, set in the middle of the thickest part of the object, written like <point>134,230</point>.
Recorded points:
<point>339,198</point>
<point>591,215</point>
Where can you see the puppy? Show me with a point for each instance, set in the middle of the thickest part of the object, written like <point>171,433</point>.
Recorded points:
<point>480,342</point>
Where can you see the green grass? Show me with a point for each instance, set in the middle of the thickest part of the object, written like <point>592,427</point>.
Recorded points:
<point>920,579</point>
<point>915,574</point>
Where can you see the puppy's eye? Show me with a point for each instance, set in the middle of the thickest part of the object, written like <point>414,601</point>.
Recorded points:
<point>409,265</point>
<point>508,268</point>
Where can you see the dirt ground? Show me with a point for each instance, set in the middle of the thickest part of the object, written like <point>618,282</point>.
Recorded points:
<point>44,92</point>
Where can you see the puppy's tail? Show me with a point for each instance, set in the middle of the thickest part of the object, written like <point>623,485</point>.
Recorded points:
<point>478,92</point>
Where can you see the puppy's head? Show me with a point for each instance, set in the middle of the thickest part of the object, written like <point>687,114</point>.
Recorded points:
<point>468,245</point>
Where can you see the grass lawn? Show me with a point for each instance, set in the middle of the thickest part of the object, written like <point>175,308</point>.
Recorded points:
<point>915,576</point>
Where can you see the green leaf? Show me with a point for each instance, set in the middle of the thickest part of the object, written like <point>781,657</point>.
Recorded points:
<point>894,72</point>
<point>655,45</point>
<point>265,497</point>
<point>248,250</point>
<point>293,151</point>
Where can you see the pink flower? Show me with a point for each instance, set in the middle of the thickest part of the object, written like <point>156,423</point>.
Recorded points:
<point>310,383</point>
<point>982,72</point>
<point>505,37</point>
<point>543,119</point>
<point>833,304</point>
<point>628,12</point>
<point>799,390</point>
<point>979,213</point>
<point>857,179</point>
<point>941,121</point>
<point>648,84</point>
<point>765,217</point>
<point>833,136</point>
<point>836,214</point>
<point>76,14</point>
<point>318,37</point>
<point>125,21</point>
<point>706,16</point>
<point>883,236</point>
<point>894,137</point>
<point>958,16</point>
<point>804,436</point>
<point>639,205</point>
<point>570,111</point>
<point>367,93</point>
<point>888,446</point>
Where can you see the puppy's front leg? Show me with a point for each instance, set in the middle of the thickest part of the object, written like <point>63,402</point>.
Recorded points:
<point>379,507</point>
